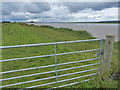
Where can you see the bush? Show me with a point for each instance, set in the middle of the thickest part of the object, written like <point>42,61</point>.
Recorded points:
<point>46,26</point>
<point>31,21</point>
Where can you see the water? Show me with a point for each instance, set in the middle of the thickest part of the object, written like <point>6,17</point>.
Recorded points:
<point>98,30</point>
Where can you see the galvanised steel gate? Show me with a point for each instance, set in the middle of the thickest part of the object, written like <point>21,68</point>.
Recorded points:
<point>55,65</point>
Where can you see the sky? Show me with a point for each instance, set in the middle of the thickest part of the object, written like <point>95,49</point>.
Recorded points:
<point>59,11</point>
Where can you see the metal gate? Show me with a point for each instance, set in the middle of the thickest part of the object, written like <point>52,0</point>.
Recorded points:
<point>55,65</point>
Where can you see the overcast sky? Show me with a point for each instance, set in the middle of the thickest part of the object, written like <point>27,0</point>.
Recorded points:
<point>60,11</point>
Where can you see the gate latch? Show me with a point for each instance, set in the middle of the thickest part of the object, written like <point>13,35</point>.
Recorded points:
<point>99,53</point>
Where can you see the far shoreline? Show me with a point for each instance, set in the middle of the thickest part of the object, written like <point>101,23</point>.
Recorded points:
<point>80,22</point>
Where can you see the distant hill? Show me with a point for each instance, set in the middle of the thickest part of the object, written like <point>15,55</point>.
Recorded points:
<point>110,21</point>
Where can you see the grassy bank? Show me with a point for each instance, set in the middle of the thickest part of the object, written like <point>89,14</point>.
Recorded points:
<point>20,33</point>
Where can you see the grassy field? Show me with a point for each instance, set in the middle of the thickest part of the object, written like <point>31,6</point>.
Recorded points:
<point>19,33</point>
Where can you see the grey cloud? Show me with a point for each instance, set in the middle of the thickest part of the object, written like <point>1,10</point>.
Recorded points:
<point>6,12</point>
<point>7,8</point>
<point>36,7</point>
<point>76,6</point>
<point>32,7</point>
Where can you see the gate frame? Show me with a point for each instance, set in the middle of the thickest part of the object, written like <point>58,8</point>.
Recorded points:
<point>55,43</point>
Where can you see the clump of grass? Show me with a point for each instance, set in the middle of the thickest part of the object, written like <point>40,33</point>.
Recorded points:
<point>65,29</point>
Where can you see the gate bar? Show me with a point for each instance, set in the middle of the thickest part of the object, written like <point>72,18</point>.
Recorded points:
<point>47,72</point>
<point>48,66</point>
<point>63,80</point>
<point>71,84</point>
<point>42,44</point>
<point>48,78</point>
<point>49,55</point>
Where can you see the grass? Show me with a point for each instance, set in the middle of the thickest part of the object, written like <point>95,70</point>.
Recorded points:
<point>20,33</point>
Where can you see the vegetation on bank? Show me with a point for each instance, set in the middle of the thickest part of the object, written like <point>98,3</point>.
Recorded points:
<point>21,33</point>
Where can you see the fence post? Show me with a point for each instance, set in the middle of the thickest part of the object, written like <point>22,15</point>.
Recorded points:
<point>107,58</point>
<point>56,65</point>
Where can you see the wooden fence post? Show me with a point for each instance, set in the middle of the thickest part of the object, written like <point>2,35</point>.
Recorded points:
<point>107,58</point>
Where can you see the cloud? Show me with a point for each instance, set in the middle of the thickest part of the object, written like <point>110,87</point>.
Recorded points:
<point>32,7</point>
<point>92,15</point>
<point>76,6</point>
<point>7,8</point>
<point>36,7</point>
<point>60,11</point>
<point>35,20</point>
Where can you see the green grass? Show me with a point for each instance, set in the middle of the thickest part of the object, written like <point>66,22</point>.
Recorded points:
<point>20,33</point>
